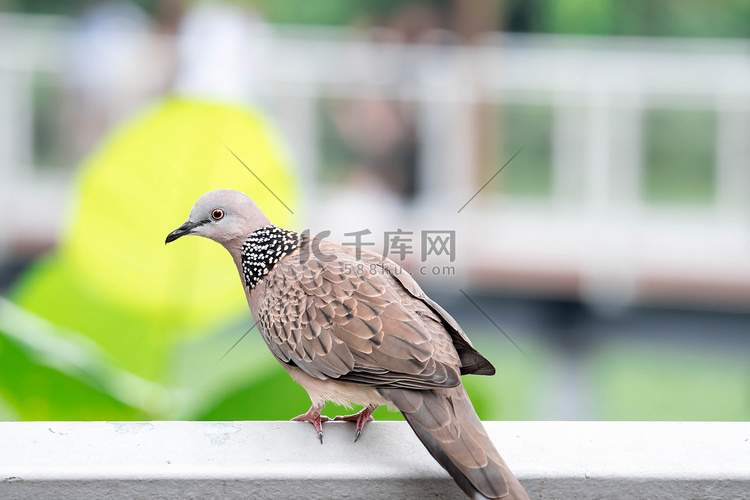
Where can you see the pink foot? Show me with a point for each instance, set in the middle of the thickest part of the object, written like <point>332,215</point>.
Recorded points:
<point>361,418</point>
<point>314,417</point>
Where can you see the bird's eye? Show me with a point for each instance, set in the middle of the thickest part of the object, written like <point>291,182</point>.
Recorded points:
<point>217,214</point>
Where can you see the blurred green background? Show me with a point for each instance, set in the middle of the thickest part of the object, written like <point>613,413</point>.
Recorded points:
<point>116,140</point>
<point>671,18</point>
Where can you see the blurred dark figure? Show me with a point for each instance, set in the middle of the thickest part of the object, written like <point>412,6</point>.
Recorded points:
<point>380,131</point>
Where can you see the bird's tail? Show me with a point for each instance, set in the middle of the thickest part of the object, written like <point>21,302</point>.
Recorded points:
<point>446,423</point>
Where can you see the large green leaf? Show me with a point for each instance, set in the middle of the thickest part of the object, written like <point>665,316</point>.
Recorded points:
<point>116,296</point>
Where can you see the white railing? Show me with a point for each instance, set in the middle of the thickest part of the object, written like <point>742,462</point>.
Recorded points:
<point>594,236</point>
<point>270,460</point>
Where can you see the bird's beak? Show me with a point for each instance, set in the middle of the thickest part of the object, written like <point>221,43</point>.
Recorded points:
<point>186,228</point>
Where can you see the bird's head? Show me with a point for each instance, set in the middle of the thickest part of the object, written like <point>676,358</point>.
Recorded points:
<point>224,215</point>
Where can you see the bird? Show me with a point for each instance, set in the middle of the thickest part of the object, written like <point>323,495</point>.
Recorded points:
<point>351,327</point>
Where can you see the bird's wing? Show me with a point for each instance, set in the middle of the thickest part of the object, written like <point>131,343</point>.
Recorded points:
<point>343,318</point>
<point>472,362</point>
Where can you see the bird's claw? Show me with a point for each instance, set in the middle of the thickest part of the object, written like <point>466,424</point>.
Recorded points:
<point>361,418</point>
<point>314,417</point>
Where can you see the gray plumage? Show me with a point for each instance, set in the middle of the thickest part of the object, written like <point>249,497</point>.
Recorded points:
<point>359,331</point>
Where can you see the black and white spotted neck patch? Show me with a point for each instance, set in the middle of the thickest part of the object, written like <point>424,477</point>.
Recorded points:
<point>264,249</point>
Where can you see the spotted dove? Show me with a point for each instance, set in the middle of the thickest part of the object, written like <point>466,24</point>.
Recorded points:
<point>356,329</point>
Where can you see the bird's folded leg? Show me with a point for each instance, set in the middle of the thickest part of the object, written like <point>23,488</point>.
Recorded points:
<point>314,417</point>
<point>361,418</point>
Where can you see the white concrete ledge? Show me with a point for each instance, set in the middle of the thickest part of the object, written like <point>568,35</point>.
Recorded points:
<point>269,460</point>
